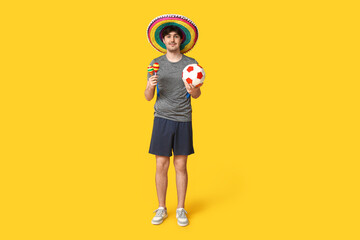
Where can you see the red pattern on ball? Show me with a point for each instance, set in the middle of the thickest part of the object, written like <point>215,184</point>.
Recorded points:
<point>189,81</point>
<point>199,75</point>
<point>189,69</point>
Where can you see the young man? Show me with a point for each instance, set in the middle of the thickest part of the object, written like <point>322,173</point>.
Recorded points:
<point>172,128</point>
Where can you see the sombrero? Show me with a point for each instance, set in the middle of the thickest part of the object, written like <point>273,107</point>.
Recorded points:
<point>188,28</point>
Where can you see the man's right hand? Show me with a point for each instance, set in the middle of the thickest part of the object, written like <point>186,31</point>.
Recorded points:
<point>153,81</point>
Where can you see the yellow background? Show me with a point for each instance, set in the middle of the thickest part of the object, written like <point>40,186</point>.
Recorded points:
<point>276,130</point>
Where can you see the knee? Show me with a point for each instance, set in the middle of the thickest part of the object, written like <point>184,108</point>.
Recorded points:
<point>162,167</point>
<point>180,168</point>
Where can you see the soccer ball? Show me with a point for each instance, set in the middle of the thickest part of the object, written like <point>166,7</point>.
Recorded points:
<point>193,74</point>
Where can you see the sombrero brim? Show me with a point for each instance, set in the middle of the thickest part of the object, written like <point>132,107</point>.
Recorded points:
<point>189,29</point>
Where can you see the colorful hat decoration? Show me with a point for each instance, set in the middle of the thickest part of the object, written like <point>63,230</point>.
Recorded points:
<point>188,28</point>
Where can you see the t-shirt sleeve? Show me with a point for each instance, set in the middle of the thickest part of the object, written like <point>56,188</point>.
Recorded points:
<point>148,74</point>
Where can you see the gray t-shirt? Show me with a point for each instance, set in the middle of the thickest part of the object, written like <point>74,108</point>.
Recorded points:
<point>172,102</point>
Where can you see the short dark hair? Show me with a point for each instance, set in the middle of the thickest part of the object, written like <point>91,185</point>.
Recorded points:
<point>170,29</point>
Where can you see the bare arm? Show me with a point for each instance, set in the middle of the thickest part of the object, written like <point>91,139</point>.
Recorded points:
<point>150,87</point>
<point>195,92</point>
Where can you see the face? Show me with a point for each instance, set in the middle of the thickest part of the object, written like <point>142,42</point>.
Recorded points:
<point>172,42</point>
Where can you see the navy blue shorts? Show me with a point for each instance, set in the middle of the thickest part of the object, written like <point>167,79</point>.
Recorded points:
<point>170,135</point>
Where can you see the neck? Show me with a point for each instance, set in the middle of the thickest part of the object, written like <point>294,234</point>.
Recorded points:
<point>173,56</point>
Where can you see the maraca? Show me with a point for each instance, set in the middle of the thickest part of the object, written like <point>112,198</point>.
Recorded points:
<point>156,67</point>
<point>150,70</point>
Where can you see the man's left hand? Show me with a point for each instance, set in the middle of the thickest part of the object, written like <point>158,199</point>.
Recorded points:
<point>192,90</point>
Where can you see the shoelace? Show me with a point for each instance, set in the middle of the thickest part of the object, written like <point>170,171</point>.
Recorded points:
<point>182,213</point>
<point>159,212</point>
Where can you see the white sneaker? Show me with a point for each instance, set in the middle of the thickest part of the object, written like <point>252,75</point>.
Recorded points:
<point>161,214</point>
<point>182,220</point>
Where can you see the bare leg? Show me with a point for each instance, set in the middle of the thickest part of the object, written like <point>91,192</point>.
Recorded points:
<point>181,178</point>
<point>161,178</point>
